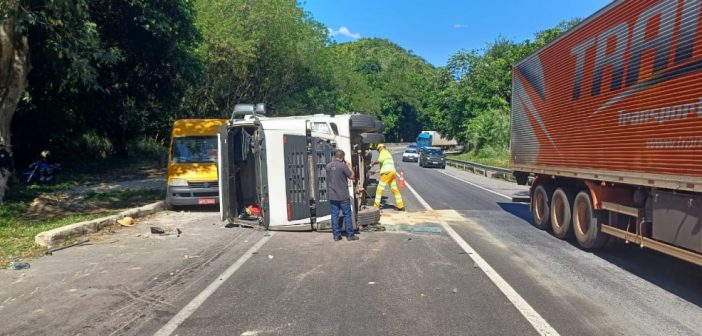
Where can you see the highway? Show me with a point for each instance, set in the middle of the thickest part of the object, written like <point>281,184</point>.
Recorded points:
<point>476,267</point>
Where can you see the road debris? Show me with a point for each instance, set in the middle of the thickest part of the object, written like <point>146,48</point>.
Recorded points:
<point>18,265</point>
<point>81,243</point>
<point>455,290</point>
<point>270,256</point>
<point>371,282</point>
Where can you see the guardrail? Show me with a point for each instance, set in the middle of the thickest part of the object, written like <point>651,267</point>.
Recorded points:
<point>477,168</point>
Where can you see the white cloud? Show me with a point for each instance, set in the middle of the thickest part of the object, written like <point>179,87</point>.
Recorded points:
<point>459,26</point>
<point>344,31</point>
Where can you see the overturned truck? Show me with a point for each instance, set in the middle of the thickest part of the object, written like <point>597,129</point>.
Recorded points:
<point>278,165</point>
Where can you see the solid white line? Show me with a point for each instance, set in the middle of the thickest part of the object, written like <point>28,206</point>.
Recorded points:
<point>191,307</point>
<point>477,186</point>
<point>538,322</point>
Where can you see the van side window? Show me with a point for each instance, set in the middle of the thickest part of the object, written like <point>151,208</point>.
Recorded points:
<point>334,128</point>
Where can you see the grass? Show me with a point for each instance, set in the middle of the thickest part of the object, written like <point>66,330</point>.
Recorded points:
<point>499,159</point>
<point>21,220</point>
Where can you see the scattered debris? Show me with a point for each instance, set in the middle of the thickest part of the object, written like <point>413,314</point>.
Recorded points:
<point>475,265</point>
<point>267,234</point>
<point>190,257</point>
<point>270,256</point>
<point>371,282</point>
<point>18,265</point>
<point>126,221</point>
<point>52,250</point>
<point>410,238</point>
<point>422,295</point>
<point>455,290</point>
<point>157,230</point>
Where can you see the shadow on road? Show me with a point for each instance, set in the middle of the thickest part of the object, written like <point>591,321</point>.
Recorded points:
<point>676,276</point>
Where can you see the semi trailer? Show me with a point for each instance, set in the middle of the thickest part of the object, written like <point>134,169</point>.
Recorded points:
<point>607,127</point>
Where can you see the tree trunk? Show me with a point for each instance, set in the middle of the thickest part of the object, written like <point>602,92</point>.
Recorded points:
<point>14,66</point>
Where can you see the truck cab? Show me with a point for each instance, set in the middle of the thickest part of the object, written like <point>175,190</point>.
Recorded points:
<point>278,165</point>
<point>192,163</point>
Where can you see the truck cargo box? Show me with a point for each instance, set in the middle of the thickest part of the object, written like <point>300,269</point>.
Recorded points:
<point>617,98</point>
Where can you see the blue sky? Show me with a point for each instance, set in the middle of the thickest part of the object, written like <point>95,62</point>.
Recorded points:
<point>437,29</point>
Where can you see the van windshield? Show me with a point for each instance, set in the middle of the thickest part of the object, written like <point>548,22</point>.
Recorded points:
<point>432,151</point>
<point>195,149</point>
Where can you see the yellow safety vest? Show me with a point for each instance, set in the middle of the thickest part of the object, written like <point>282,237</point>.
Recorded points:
<point>387,164</point>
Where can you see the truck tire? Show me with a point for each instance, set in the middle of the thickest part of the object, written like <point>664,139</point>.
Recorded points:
<point>372,138</point>
<point>368,216</point>
<point>587,222</point>
<point>379,126</point>
<point>562,214</point>
<point>362,122</point>
<point>541,207</point>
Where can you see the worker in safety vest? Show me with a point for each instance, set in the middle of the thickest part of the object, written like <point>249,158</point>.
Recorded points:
<point>388,175</point>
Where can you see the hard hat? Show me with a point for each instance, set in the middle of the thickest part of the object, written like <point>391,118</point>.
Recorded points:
<point>379,146</point>
<point>45,154</point>
<point>126,221</point>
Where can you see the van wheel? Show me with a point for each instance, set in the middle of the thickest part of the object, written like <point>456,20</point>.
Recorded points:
<point>587,223</point>
<point>541,207</point>
<point>362,122</point>
<point>368,216</point>
<point>372,138</point>
<point>561,214</point>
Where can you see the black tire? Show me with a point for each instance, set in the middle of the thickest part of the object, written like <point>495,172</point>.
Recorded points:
<point>541,207</point>
<point>587,223</point>
<point>372,138</point>
<point>379,126</point>
<point>368,216</point>
<point>362,122</point>
<point>562,214</point>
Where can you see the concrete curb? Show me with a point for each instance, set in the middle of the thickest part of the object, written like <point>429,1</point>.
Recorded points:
<point>53,237</point>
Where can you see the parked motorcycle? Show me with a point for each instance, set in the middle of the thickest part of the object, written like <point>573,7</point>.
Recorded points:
<point>41,171</point>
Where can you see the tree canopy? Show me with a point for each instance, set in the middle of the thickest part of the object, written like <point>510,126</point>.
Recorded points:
<point>101,76</point>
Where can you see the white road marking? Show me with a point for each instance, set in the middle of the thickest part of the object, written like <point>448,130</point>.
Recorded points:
<point>195,303</point>
<point>477,186</point>
<point>538,322</point>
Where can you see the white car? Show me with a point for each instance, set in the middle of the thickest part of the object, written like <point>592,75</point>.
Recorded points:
<point>410,155</point>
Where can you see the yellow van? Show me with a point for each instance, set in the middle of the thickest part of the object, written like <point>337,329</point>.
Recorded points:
<point>192,163</point>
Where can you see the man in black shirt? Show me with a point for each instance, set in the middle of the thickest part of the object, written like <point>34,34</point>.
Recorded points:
<point>338,174</point>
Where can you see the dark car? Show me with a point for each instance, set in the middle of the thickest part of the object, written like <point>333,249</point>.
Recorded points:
<point>432,157</point>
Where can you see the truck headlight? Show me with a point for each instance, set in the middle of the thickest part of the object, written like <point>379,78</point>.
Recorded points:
<point>178,182</point>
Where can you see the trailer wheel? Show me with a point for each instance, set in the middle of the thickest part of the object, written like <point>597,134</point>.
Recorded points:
<point>362,122</point>
<point>561,214</point>
<point>540,208</point>
<point>587,223</point>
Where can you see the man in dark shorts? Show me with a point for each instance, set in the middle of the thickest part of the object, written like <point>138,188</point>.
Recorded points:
<point>338,175</point>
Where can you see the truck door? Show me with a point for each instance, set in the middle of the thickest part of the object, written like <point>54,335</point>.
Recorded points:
<point>296,176</point>
<point>228,203</point>
<point>321,156</point>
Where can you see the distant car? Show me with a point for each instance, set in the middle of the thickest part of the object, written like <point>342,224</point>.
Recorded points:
<point>412,146</point>
<point>410,155</point>
<point>432,157</point>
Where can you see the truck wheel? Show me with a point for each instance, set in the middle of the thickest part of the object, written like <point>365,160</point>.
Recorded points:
<point>368,216</point>
<point>587,223</point>
<point>561,214</point>
<point>372,138</point>
<point>540,207</point>
<point>362,122</point>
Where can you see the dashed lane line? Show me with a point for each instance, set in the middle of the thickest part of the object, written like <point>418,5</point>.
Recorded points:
<point>531,315</point>
<point>195,303</point>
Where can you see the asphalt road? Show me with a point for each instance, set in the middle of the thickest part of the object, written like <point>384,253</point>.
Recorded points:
<point>387,283</point>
